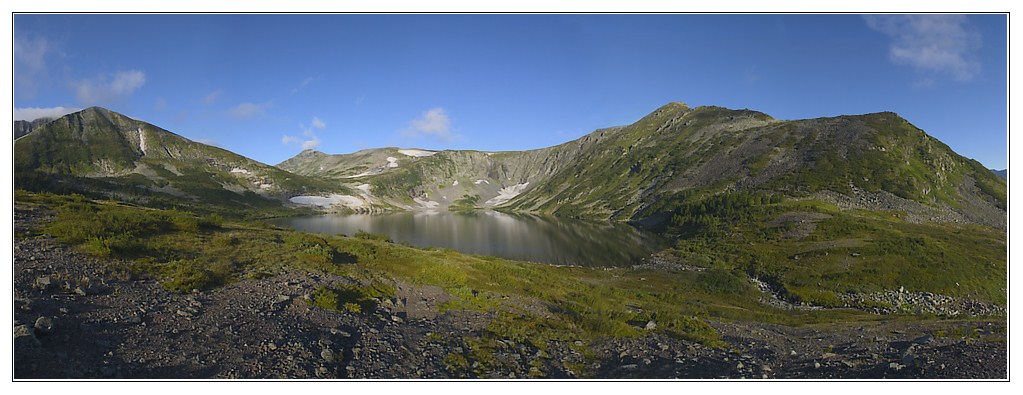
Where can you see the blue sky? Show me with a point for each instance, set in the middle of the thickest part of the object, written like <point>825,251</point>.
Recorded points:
<point>267,86</point>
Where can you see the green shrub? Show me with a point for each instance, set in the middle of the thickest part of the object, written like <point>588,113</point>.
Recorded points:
<point>184,276</point>
<point>347,298</point>
<point>361,234</point>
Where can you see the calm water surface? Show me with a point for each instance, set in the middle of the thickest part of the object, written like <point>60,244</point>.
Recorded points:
<point>532,238</point>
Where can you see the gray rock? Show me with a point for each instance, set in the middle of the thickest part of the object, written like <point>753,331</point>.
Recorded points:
<point>650,325</point>
<point>44,283</point>
<point>134,319</point>
<point>44,325</point>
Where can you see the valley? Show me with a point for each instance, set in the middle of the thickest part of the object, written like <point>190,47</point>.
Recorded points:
<point>831,248</point>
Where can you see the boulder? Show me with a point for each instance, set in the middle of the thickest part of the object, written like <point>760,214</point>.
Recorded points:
<point>44,325</point>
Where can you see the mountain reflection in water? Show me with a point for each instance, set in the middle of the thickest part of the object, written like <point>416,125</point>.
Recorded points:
<point>542,239</point>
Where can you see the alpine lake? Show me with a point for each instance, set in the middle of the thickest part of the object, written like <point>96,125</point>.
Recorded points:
<point>524,237</point>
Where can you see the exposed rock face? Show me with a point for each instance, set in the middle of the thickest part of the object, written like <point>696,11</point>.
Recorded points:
<point>22,128</point>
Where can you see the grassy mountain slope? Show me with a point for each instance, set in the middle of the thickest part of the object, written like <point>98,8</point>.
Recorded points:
<point>101,150</point>
<point>637,172</point>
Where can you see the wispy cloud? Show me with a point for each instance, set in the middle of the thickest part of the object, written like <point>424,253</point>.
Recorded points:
<point>29,64</point>
<point>33,113</point>
<point>212,97</point>
<point>304,83</point>
<point>931,44</point>
<point>432,123</point>
<point>107,89</point>
<point>248,110</point>
<point>310,140</point>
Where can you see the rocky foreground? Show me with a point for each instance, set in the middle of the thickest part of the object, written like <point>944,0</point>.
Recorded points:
<point>76,319</point>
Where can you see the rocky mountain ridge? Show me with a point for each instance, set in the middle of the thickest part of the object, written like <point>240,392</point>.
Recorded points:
<point>99,144</point>
<point>22,128</point>
<point>632,172</point>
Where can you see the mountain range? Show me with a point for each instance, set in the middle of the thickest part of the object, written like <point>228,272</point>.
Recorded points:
<point>631,173</point>
<point>99,150</point>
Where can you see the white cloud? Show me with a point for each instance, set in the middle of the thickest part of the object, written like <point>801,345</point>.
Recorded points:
<point>33,113</point>
<point>433,123</point>
<point>310,144</point>
<point>29,64</point>
<point>932,44</point>
<point>104,89</point>
<point>248,110</point>
<point>212,97</point>
<point>310,141</point>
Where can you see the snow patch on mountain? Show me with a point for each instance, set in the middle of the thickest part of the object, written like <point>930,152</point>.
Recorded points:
<point>327,201</point>
<point>416,152</point>
<point>507,193</point>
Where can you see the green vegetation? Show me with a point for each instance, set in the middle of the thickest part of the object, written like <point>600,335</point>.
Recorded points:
<point>846,252</point>
<point>465,203</point>
<point>353,298</point>
<point>187,251</point>
<point>361,234</point>
<point>731,219</point>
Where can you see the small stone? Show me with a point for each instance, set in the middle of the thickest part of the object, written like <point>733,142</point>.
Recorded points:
<point>895,366</point>
<point>740,365</point>
<point>650,325</point>
<point>44,282</point>
<point>793,353</point>
<point>327,355</point>
<point>923,339</point>
<point>816,365</point>
<point>80,292</point>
